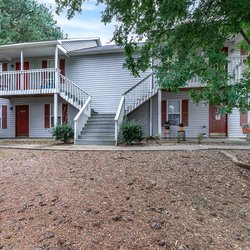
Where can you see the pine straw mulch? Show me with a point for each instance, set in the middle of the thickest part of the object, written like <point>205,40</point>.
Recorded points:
<point>123,200</point>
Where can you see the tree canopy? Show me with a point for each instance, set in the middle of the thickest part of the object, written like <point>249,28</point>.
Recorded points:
<point>26,20</point>
<point>185,37</point>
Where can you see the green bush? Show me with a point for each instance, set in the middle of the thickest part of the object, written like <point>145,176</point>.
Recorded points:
<point>131,131</point>
<point>200,137</point>
<point>64,133</point>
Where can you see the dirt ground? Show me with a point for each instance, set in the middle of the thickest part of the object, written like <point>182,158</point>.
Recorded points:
<point>123,200</point>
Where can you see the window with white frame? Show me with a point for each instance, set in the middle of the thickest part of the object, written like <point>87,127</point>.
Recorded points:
<point>174,112</point>
<point>59,114</point>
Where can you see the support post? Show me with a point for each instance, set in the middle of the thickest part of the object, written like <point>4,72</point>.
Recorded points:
<point>150,117</point>
<point>56,57</point>
<point>248,134</point>
<point>159,112</point>
<point>56,70</point>
<point>21,68</point>
<point>55,110</point>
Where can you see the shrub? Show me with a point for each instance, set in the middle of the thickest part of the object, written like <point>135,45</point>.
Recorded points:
<point>179,138</point>
<point>131,131</point>
<point>64,133</point>
<point>157,139</point>
<point>200,137</point>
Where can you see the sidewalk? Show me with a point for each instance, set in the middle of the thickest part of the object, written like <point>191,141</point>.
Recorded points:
<point>181,147</point>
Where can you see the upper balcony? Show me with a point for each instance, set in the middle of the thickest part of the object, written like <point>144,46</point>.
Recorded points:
<point>35,68</point>
<point>235,69</point>
<point>29,82</point>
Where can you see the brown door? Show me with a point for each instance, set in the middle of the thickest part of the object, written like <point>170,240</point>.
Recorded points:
<point>26,66</point>
<point>217,122</point>
<point>22,120</point>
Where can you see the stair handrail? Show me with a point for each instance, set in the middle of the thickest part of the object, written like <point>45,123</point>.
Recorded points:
<point>75,85</point>
<point>82,117</point>
<point>134,86</point>
<point>119,118</point>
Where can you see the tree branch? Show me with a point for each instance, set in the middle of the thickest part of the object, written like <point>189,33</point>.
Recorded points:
<point>247,39</point>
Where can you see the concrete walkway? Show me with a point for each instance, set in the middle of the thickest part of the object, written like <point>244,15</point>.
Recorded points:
<point>181,147</point>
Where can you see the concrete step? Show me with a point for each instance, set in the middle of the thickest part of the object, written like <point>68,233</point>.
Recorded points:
<point>95,142</point>
<point>99,126</point>
<point>96,137</point>
<point>109,122</point>
<point>94,118</point>
<point>98,130</point>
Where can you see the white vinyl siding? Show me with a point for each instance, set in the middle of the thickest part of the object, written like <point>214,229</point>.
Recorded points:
<point>141,115</point>
<point>7,133</point>
<point>198,115</point>
<point>0,116</point>
<point>234,128</point>
<point>103,77</point>
<point>36,116</point>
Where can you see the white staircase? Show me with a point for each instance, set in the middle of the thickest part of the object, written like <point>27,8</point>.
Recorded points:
<point>139,93</point>
<point>133,98</point>
<point>97,128</point>
<point>72,93</point>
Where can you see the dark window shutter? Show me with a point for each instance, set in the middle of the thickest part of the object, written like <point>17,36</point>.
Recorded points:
<point>47,115</point>
<point>163,112</point>
<point>4,117</point>
<point>225,50</point>
<point>5,67</point>
<point>185,112</point>
<point>243,118</point>
<point>44,64</point>
<point>64,113</point>
<point>243,52</point>
<point>62,66</point>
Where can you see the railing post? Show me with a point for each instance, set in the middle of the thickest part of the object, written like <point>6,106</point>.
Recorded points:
<point>57,77</point>
<point>57,71</point>
<point>21,72</point>
<point>55,109</point>
<point>159,111</point>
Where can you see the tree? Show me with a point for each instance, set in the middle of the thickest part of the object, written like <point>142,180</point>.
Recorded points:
<point>185,37</point>
<point>26,20</point>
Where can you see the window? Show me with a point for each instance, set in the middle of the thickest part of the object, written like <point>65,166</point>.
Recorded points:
<point>59,114</point>
<point>51,63</point>
<point>174,112</point>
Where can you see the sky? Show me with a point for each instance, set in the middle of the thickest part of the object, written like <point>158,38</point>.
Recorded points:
<point>86,24</point>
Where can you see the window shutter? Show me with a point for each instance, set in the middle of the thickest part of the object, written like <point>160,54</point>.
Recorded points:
<point>163,112</point>
<point>243,118</point>
<point>64,113</point>
<point>4,117</point>
<point>44,64</point>
<point>5,67</point>
<point>243,52</point>
<point>225,50</point>
<point>62,66</point>
<point>47,115</point>
<point>185,112</point>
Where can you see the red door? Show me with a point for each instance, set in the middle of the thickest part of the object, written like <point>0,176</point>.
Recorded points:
<point>217,122</point>
<point>22,120</point>
<point>26,66</point>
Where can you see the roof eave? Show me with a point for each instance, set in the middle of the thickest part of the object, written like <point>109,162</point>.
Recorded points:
<point>94,52</point>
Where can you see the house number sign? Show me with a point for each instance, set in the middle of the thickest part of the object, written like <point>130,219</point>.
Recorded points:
<point>217,117</point>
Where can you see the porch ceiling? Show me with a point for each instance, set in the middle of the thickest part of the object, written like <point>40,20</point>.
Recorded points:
<point>8,53</point>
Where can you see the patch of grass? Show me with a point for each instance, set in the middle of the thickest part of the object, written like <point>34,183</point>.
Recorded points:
<point>239,212</point>
<point>201,202</point>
